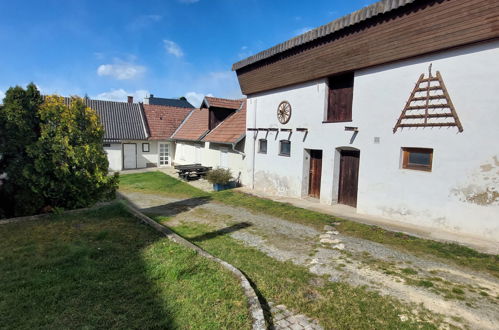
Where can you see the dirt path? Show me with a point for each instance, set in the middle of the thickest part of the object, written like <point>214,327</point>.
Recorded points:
<point>466,298</point>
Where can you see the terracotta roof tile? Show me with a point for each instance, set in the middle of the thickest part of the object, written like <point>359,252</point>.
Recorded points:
<point>163,121</point>
<point>194,127</point>
<point>231,130</point>
<point>222,103</point>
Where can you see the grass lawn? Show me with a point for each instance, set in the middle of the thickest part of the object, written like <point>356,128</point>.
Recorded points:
<point>158,182</point>
<point>334,305</point>
<point>104,269</point>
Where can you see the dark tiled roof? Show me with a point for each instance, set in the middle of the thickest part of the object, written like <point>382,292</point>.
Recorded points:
<point>195,126</point>
<point>170,102</point>
<point>221,103</point>
<point>121,120</point>
<point>231,130</point>
<point>163,121</point>
<point>365,13</point>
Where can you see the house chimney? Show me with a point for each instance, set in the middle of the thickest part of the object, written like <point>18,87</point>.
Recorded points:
<point>130,99</point>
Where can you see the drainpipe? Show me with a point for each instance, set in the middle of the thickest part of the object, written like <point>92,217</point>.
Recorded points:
<point>237,151</point>
<point>254,148</point>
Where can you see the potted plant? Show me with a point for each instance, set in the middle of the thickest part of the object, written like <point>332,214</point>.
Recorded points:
<point>221,179</point>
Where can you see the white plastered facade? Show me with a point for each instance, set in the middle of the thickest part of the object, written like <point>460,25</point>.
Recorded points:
<point>144,159</point>
<point>458,195</point>
<point>212,154</point>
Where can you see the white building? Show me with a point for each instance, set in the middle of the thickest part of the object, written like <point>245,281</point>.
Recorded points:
<point>138,135</point>
<point>214,136</point>
<point>324,115</point>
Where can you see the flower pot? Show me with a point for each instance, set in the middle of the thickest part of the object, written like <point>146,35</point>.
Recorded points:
<point>219,187</point>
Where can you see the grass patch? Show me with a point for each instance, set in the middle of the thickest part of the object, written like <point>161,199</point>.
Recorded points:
<point>104,269</point>
<point>158,182</point>
<point>409,271</point>
<point>424,283</point>
<point>335,305</point>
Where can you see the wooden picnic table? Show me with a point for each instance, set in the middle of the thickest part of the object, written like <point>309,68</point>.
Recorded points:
<point>192,171</point>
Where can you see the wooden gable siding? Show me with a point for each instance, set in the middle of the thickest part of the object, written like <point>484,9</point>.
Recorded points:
<point>416,29</point>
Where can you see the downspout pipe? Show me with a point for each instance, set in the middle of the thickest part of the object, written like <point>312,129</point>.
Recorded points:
<point>254,147</point>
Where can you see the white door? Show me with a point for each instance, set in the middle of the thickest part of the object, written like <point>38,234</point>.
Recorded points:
<point>164,154</point>
<point>224,158</point>
<point>198,154</point>
<point>129,155</point>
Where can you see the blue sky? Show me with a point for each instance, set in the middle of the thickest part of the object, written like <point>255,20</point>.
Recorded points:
<point>169,48</point>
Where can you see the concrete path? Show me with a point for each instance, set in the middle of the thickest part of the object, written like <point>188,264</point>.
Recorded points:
<point>465,297</point>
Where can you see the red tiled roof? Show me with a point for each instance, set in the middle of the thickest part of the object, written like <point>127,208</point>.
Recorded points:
<point>222,103</point>
<point>194,127</point>
<point>231,130</point>
<point>163,121</point>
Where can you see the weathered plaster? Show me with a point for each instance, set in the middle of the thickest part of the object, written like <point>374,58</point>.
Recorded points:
<point>459,194</point>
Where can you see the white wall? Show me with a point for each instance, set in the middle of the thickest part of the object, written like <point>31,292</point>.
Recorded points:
<point>209,154</point>
<point>144,159</point>
<point>114,153</point>
<point>465,172</point>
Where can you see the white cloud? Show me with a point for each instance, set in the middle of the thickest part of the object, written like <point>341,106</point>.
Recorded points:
<point>121,70</point>
<point>244,52</point>
<point>302,30</point>
<point>144,21</point>
<point>195,98</point>
<point>121,95</point>
<point>2,95</point>
<point>220,84</point>
<point>173,48</point>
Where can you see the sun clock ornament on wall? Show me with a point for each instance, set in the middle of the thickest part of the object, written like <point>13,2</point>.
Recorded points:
<point>284,112</point>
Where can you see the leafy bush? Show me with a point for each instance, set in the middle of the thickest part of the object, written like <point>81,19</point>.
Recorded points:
<point>52,154</point>
<point>219,176</point>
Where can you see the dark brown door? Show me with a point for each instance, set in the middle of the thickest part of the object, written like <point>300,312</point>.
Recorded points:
<point>349,177</point>
<point>314,183</point>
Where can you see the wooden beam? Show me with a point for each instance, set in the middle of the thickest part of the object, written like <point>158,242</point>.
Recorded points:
<point>431,115</point>
<point>429,106</point>
<point>451,105</point>
<point>429,125</point>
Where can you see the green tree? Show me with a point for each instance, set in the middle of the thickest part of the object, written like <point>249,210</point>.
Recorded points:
<point>52,154</point>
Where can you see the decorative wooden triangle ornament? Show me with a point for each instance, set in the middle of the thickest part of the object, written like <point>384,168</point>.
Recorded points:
<point>429,105</point>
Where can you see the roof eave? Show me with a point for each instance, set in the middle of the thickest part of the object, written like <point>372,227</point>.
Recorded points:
<point>377,8</point>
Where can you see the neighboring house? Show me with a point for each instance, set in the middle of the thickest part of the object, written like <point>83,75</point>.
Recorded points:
<point>214,136</point>
<point>225,144</point>
<point>125,133</point>
<point>392,110</point>
<point>176,103</point>
<point>138,135</point>
<point>163,121</point>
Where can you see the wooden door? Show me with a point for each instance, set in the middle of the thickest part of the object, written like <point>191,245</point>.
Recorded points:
<point>314,182</point>
<point>349,177</point>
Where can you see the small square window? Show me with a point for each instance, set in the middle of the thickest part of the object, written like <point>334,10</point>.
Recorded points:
<point>262,146</point>
<point>145,147</point>
<point>106,145</point>
<point>417,159</point>
<point>285,148</point>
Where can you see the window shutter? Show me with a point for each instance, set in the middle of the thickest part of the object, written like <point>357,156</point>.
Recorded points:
<point>340,98</point>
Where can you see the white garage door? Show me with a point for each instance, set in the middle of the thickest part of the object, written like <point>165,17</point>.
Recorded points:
<point>129,155</point>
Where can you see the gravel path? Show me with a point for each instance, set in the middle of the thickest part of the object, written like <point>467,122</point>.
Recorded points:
<point>465,297</point>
